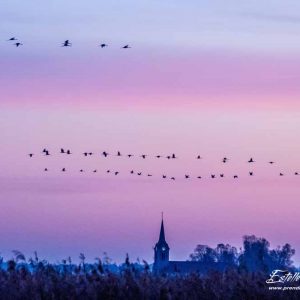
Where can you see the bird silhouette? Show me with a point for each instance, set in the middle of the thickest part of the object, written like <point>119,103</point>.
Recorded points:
<point>68,152</point>
<point>143,156</point>
<point>95,171</point>
<point>129,155</point>
<point>45,169</point>
<point>62,150</point>
<point>44,150</point>
<point>81,170</point>
<point>90,153</point>
<point>224,160</point>
<point>66,43</point>
<point>251,160</point>
<point>235,176</point>
<point>108,171</point>
<point>296,173</point>
<point>199,157</point>
<point>164,176</point>
<point>158,156</point>
<point>213,176</point>
<point>63,169</point>
<point>168,157</point>
<point>280,174</point>
<point>187,176</point>
<point>85,154</point>
<point>199,177</point>
<point>222,175</point>
<point>251,173</point>
<point>139,174</point>
<point>47,153</point>
<point>30,154</point>
<point>105,154</point>
<point>173,156</point>
<point>172,178</point>
<point>271,162</point>
<point>12,39</point>
<point>116,173</point>
<point>149,175</point>
<point>18,44</point>
<point>119,153</point>
<point>103,45</point>
<point>131,172</point>
<point>126,47</point>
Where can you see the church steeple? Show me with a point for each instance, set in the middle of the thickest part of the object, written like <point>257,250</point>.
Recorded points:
<point>161,249</point>
<point>162,232</point>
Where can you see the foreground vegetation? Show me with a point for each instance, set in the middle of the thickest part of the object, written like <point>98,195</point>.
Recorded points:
<point>242,276</point>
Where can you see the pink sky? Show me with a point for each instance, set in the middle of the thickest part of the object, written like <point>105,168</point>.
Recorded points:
<point>220,83</point>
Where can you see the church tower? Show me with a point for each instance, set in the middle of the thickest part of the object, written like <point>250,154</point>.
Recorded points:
<point>161,250</point>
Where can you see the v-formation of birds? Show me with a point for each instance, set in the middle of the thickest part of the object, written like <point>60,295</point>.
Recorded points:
<point>172,156</point>
<point>66,43</point>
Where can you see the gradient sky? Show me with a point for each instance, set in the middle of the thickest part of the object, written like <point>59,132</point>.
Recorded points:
<point>202,77</point>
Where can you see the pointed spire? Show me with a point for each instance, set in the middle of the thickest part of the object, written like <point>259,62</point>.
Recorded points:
<point>162,230</point>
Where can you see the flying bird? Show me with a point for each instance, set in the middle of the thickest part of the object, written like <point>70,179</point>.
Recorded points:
<point>131,172</point>
<point>235,176</point>
<point>222,175</point>
<point>66,43</point>
<point>68,152</point>
<point>251,173</point>
<point>213,176</point>
<point>296,173</point>
<point>199,177</point>
<point>103,45</point>
<point>199,157</point>
<point>164,176</point>
<point>172,178</point>
<point>108,171</point>
<point>143,156</point>
<point>224,160</point>
<point>129,155</point>
<point>173,156</point>
<point>139,174</point>
<point>126,47</point>
<point>186,176</point>
<point>149,175</point>
<point>47,153</point>
<point>62,150</point>
<point>158,156</point>
<point>18,44</point>
<point>271,162</point>
<point>116,173</point>
<point>119,153</point>
<point>30,154</point>
<point>85,154</point>
<point>45,169</point>
<point>81,170</point>
<point>95,171</point>
<point>251,160</point>
<point>12,39</point>
<point>63,169</point>
<point>105,154</point>
<point>280,174</point>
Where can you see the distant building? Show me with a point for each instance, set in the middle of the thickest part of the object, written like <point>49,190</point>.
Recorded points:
<point>162,264</point>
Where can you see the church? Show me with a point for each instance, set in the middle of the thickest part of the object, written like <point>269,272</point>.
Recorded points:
<point>162,263</point>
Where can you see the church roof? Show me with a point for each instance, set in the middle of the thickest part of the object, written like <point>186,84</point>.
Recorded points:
<point>162,239</point>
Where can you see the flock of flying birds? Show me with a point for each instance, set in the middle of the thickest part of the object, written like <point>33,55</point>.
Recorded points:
<point>172,156</point>
<point>66,43</point>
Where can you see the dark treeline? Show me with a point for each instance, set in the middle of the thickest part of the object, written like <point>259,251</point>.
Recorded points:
<point>227,274</point>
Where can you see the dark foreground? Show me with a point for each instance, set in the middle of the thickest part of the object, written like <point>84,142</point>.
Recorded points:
<point>46,281</point>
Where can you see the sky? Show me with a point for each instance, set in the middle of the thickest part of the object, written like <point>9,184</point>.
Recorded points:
<point>202,78</point>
